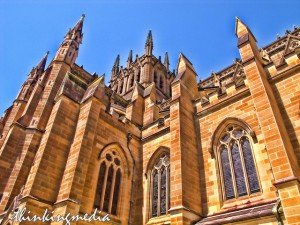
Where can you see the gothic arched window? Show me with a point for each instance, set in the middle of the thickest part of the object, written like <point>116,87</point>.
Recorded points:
<point>131,81</point>
<point>120,86</point>
<point>160,186</point>
<point>236,162</point>
<point>155,79</point>
<point>109,183</point>
<point>138,77</point>
<point>161,83</point>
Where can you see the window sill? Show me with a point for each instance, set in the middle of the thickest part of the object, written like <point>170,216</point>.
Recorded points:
<point>165,219</point>
<point>241,201</point>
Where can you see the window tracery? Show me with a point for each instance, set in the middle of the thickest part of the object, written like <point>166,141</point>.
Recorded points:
<point>236,162</point>
<point>109,183</point>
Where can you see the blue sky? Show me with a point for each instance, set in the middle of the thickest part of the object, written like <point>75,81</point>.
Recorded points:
<point>203,30</point>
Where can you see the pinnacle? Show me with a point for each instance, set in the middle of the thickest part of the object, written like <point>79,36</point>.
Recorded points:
<point>166,62</point>
<point>149,38</point>
<point>149,44</point>
<point>42,63</point>
<point>130,56</point>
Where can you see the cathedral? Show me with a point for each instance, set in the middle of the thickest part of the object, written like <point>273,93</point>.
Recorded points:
<point>155,146</point>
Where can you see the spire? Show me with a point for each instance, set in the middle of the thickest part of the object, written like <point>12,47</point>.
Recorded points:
<point>149,44</point>
<point>76,32</point>
<point>129,60</point>
<point>65,52</point>
<point>79,25</point>
<point>166,63</point>
<point>42,63</point>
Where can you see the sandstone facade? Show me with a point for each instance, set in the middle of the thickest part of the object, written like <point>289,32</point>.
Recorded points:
<point>155,146</point>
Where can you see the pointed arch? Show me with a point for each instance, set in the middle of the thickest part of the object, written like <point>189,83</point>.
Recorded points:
<point>126,156</point>
<point>223,124</point>
<point>155,155</point>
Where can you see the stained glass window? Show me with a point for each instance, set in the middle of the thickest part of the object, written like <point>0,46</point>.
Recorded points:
<point>108,188</point>
<point>109,183</point>
<point>160,197</point>
<point>238,169</point>
<point>163,191</point>
<point>100,185</point>
<point>237,163</point>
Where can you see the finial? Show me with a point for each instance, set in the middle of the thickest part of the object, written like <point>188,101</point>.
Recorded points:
<point>47,53</point>
<point>83,15</point>
<point>287,32</point>
<point>278,36</point>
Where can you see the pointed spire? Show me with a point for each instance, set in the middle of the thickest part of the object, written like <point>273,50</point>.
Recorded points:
<point>149,44</point>
<point>42,63</point>
<point>79,25</point>
<point>129,60</point>
<point>76,32</point>
<point>242,29</point>
<point>166,62</point>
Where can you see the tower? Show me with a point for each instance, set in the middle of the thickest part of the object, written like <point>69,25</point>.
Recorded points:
<point>25,122</point>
